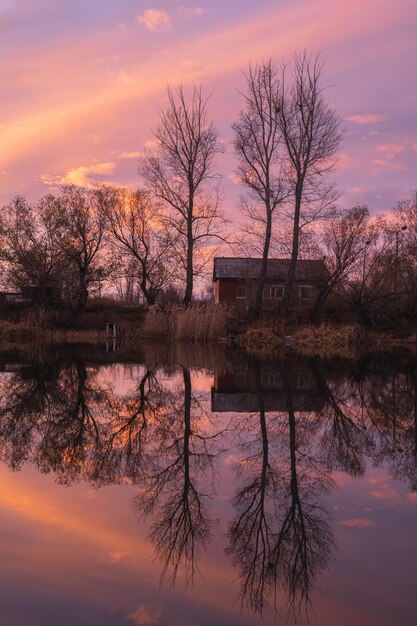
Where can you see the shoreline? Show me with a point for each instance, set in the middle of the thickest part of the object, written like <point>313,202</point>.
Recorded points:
<point>263,341</point>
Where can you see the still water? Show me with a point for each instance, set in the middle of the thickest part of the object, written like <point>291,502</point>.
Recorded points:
<point>194,489</point>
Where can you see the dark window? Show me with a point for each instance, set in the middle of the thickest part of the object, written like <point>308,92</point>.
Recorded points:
<point>273,292</point>
<point>271,379</point>
<point>241,292</point>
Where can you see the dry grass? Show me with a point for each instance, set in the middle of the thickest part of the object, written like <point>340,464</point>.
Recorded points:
<point>18,332</point>
<point>203,323</point>
<point>328,340</point>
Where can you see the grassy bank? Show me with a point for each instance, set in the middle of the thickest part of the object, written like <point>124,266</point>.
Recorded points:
<point>204,324</point>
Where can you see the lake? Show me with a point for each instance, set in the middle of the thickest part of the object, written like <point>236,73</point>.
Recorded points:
<point>193,487</point>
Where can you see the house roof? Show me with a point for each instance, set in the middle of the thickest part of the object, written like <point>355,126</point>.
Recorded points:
<point>277,269</point>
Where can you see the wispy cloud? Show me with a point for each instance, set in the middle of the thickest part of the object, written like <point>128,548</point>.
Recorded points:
<point>365,119</point>
<point>187,11</point>
<point>130,155</point>
<point>390,150</point>
<point>387,164</point>
<point>358,522</point>
<point>155,20</point>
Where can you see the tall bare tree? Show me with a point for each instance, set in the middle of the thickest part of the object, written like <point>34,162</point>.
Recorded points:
<point>312,135</point>
<point>257,143</point>
<point>139,237</point>
<point>181,174</point>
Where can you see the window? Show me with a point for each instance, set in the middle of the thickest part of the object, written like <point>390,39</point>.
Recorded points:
<point>306,292</point>
<point>241,292</point>
<point>273,292</point>
<point>271,379</point>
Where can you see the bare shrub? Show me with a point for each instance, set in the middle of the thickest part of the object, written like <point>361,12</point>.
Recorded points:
<point>328,340</point>
<point>261,339</point>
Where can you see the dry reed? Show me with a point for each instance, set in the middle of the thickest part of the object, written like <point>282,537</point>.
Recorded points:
<point>203,323</point>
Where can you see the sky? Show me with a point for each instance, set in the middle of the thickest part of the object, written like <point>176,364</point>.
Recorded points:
<point>83,84</point>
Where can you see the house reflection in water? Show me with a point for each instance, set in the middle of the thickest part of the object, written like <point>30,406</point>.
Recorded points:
<point>239,391</point>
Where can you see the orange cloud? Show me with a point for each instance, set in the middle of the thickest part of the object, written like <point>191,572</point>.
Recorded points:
<point>390,149</point>
<point>384,493</point>
<point>365,119</point>
<point>358,522</point>
<point>154,20</point>
<point>131,155</point>
<point>387,164</point>
<point>81,176</point>
<point>145,615</point>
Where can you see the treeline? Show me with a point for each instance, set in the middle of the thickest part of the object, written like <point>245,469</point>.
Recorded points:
<point>162,236</point>
<point>371,262</point>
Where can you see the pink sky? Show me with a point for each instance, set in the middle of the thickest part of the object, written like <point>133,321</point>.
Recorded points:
<point>82,84</point>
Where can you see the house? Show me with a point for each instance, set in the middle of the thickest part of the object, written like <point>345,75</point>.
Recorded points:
<point>235,281</point>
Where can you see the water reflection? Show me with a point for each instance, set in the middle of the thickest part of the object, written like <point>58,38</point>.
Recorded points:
<point>289,428</point>
<point>280,535</point>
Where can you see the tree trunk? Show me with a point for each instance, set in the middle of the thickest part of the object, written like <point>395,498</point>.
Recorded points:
<point>189,269</point>
<point>264,265</point>
<point>82,291</point>
<point>294,252</point>
<point>317,306</point>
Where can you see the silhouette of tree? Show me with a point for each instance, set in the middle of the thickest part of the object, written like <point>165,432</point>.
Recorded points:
<point>181,175</point>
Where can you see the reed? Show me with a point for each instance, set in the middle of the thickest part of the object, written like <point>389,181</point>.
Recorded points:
<point>201,322</point>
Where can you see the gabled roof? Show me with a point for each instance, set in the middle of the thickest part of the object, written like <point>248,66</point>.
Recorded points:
<point>277,269</point>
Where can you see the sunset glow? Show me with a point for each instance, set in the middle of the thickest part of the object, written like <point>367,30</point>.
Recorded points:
<point>82,85</point>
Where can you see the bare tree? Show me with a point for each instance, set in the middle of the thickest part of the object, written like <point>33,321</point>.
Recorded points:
<point>84,227</point>
<point>405,233</point>
<point>311,135</point>
<point>31,249</point>
<point>372,290</point>
<point>181,175</point>
<point>257,144</point>
<point>344,240</point>
<point>140,238</point>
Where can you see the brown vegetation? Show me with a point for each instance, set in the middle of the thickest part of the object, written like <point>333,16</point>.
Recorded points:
<point>262,339</point>
<point>328,340</point>
<point>205,322</point>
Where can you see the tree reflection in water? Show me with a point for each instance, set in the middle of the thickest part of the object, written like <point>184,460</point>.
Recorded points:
<point>292,424</point>
<point>183,449</point>
<point>280,536</point>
